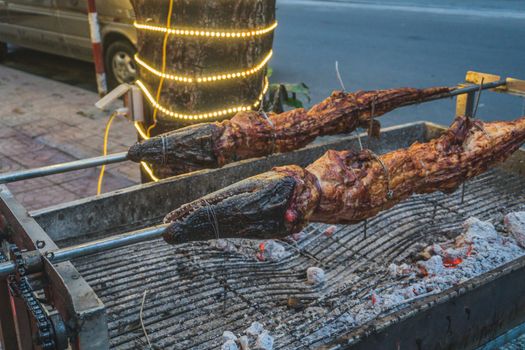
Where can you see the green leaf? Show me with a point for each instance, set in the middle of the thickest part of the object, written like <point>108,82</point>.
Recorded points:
<point>293,103</point>
<point>269,71</point>
<point>299,88</point>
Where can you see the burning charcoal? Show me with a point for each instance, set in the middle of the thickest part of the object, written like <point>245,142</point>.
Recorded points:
<point>255,329</point>
<point>454,253</point>
<point>315,275</point>
<point>270,250</point>
<point>451,263</point>
<point>515,225</point>
<point>244,342</point>
<point>229,345</point>
<point>227,335</point>
<point>264,341</point>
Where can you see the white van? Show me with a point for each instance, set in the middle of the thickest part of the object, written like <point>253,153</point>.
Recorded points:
<point>61,27</point>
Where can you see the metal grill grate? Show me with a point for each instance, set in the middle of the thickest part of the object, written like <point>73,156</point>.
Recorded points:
<point>195,291</point>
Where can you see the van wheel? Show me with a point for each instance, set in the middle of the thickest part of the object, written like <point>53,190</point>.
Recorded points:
<point>120,64</point>
<point>3,51</point>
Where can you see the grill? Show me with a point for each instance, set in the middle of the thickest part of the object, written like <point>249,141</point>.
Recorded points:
<point>195,292</point>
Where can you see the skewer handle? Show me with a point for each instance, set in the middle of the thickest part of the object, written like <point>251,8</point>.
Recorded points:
<point>14,176</point>
<point>93,247</point>
<point>475,88</point>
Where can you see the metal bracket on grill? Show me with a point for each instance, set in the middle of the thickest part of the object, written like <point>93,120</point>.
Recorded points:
<point>512,86</point>
<point>73,302</point>
<point>50,329</point>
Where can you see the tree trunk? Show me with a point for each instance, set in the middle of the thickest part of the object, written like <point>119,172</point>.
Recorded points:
<point>194,56</point>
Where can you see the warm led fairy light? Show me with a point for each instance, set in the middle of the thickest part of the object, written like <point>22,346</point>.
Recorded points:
<point>263,92</point>
<point>206,33</point>
<point>149,171</point>
<point>141,130</point>
<point>218,113</point>
<point>209,78</point>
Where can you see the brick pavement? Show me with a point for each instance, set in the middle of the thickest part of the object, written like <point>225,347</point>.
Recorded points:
<point>44,122</point>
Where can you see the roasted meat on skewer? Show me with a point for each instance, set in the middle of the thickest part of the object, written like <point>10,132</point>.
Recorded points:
<point>345,186</point>
<point>254,134</point>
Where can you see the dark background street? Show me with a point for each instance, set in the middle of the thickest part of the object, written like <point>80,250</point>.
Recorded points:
<point>382,44</point>
<point>379,44</point>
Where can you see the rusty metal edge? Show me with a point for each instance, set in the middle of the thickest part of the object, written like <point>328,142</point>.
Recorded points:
<point>424,130</point>
<point>70,293</point>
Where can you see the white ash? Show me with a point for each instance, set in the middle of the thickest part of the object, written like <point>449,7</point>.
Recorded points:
<point>244,342</point>
<point>437,249</point>
<point>477,229</point>
<point>264,341</point>
<point>515,226</point>
<point>315,275</point>
<point>433,266</point>
<point>254,337</point>
<point>478,249</point>
<point>270,250</point>
<point>399,270</point>
<point>230,345</point>
<point>225,245</point>
<point>227,335</point>
<point>255,329</point>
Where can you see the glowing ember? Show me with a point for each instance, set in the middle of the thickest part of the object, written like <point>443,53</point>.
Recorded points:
<point>478,249</point>
<point>451,262</point>
<point>260,254</point>
<point>290,215</point>
<point>270,250</point>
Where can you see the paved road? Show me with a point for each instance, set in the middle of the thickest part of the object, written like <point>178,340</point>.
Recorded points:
<point>378,44</point>
<point>381,44</point>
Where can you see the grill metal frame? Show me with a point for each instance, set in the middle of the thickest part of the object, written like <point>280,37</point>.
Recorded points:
<point>91,218</point>
<point>67,291</point>
<point>130,209</point>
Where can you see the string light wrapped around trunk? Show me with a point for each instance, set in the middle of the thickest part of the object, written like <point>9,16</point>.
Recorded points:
<point>201,60</point>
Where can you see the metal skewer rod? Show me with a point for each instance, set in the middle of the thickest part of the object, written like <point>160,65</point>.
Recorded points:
<point>14,176</point>
<point>97,246</point>
<point>461,91</point>
<point>132,237</point>
<point>121,157</point>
